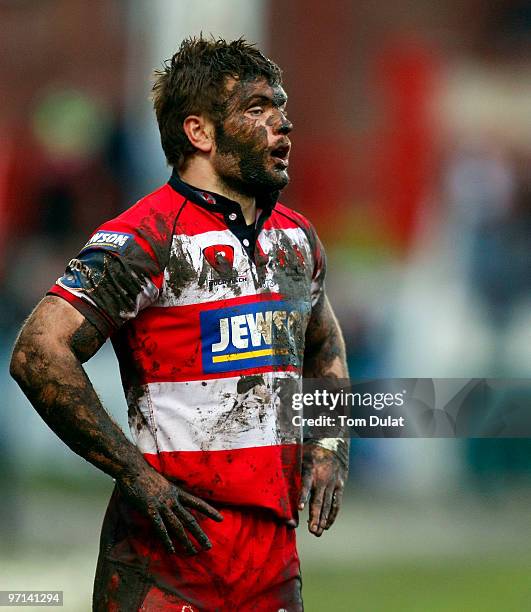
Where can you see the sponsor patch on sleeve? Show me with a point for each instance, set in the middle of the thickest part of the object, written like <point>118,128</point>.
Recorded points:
<point>113,241</point>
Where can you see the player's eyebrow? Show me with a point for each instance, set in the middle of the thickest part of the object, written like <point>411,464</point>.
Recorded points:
<point>277,99</point>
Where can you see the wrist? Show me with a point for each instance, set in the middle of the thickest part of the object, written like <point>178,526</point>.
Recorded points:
<point>136,469</point>
<point>338,446</point>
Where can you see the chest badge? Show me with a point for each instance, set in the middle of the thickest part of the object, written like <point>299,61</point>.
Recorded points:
<point>220,257</point>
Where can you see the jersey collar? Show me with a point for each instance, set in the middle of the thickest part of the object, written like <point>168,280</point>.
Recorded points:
<point>218,203</point>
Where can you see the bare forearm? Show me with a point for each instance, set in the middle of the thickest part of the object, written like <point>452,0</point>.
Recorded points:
<point>56,384</point>
<point>47,364</point>
<point>327,359</point>
<point>325,354</point>
<point>325,463</point>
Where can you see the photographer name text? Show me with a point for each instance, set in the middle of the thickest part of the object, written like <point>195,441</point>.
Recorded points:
<point>345,421</point>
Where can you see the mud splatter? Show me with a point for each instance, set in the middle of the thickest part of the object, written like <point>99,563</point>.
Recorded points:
<point>136,419</point>
<point>249,406</point>
<point>284,266</point>
<point>156,229</point>
<point>180,271</point>
<point>284,388</point>
<point>244,160</point>
<point>245,383</point>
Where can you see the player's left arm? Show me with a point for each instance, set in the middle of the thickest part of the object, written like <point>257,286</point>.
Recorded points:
<point>325,461</point>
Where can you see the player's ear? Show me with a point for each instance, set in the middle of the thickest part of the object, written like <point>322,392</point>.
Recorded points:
<point>200,132</point>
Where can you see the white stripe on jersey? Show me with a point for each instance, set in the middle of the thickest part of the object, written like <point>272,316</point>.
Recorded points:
<point>190,248</point>
<point>216,418</point>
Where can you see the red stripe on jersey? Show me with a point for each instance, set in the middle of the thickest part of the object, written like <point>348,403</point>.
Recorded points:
<point>122,225</point>
<point>150,220</point>
<point>196,220</point>
<point>285,218</point>
<point>96,316</point>
<point>154,214</point>
<point>264,476</point>
<point>164,344</point>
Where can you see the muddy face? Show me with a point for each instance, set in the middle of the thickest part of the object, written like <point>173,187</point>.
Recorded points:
<point>252,146</point>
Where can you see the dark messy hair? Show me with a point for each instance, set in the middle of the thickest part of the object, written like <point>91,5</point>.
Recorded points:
<point>193,82</point>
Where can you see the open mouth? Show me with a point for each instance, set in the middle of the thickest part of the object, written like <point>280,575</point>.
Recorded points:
<point>280,155</point>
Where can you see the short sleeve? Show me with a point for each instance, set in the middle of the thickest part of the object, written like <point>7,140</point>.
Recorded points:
<point>114,276</point>
<point>319,267</point>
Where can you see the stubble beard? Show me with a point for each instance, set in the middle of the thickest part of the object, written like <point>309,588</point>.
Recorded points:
<point>242,166</point>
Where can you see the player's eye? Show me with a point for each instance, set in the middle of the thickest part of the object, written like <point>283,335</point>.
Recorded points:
<point>255,111</point>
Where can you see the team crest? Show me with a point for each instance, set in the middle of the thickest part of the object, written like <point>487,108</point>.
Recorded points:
<point>220,257</point>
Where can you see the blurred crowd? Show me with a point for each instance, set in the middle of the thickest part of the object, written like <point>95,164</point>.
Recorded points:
<point>412,147</point>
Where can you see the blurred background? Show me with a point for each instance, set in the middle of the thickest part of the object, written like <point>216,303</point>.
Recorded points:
<point>412,147</point>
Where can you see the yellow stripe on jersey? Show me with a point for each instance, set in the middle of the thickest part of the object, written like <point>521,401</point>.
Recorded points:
<point>249,355</point>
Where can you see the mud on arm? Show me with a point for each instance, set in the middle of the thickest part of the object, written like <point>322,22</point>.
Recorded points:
<point>47,364</point>
<point>325,461</point>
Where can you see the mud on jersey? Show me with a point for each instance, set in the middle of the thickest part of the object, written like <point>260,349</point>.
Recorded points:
<point>209,333</point>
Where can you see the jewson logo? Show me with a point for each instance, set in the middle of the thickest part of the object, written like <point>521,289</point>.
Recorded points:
<point>113,240</point>
<point>251,336</point>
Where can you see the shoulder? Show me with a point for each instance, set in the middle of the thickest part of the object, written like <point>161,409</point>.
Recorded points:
<point>149,222</point>
<point>154,212</point>
<point>284,217</point>
<point>291,217</point>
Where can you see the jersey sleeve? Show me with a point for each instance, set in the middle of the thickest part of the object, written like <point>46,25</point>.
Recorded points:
<point>114,276</point>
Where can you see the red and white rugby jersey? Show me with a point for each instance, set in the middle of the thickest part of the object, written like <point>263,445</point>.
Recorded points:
<point>209,333</point>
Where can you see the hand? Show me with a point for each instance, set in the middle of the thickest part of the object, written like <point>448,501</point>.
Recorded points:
<point>163,503</point>
<point>323,481</point>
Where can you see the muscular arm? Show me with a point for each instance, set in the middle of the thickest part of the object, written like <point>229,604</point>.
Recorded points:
<point>324,355</point>
<point>47,364</point>
<point>325,462</point>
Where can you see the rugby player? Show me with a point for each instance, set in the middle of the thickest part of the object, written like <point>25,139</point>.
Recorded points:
<point>212,294</point>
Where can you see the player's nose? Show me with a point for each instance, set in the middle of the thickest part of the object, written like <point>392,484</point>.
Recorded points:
<point>285,127</point>
<point>282,124</point>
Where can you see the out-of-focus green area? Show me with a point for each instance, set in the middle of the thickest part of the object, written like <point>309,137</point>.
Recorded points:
<point>410,155</point>
<point>447,586</point>
<point>456,552</point>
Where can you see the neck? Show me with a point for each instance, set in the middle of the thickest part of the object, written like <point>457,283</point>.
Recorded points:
<point>204,178</point>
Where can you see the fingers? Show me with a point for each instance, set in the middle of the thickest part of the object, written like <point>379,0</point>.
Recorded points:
<point>316,504</point>
<point>326,507</point>
<point>178,531</point>
<point>200,505</point>
<point>306,487</point>
<point>178,520</point>
<point>336,505</point>
<point>162,532</point>
<point>163,503</point>
<point>181,520</point>
<point>193,527</point>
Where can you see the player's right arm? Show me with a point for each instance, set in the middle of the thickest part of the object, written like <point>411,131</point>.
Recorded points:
<point>47,364</point>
